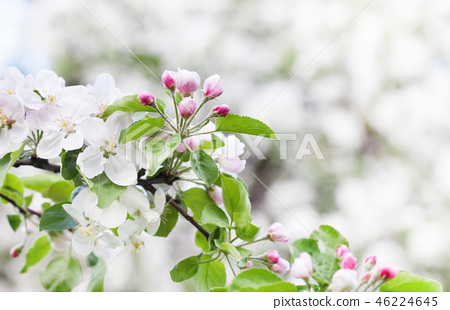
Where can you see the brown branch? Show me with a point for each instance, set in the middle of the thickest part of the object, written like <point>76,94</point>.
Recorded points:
<point>22,210</point>
<point>171,201</point>
<point>38,163</point>
<point>147,184</point>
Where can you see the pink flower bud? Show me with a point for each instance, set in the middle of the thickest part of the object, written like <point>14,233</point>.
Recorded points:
<point>216,195</point>
<point>348,261</point>
<point>187,107</point>
<point>234,165</point>
<point>146,98</point>
<point>370,262</point>
<point>273,256</point>
<point>221,110</point>
<point>192,142</point>
<point>180,148</point>
<point>282,266</point>
<point>277,232</point>
<point>16,250</point>
<point>187,82</point>
<point>168,79</point>
<point>302,266</point>
<point>213,86</point>
<point>387,272</point>
<point>341,250</point>
<point>248,266</point>
<point>366,277</point>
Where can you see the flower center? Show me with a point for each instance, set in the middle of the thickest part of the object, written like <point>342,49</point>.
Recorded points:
<point>137,246</point>
<point>50,99</point>
<point>87,233</point>
<point>102,105</point>
<point>11,91</point>
<point>65,123</point>
<point>110,145</point>
<point>4,119</point>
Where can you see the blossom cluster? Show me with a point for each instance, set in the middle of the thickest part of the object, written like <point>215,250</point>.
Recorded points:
<point>50,118</point>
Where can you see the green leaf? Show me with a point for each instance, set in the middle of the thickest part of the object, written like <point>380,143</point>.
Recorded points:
<point>200,239</point>
<point>210,275</point>
<point>39,250</point>
<point>147,126</point>
<point>212,214</point>
<point>69,164</point>
<point>204,166</point>
<point>325,263</point>
<point>97,276</point>
<point>7,161</point>
<point>127,104</point>
<point>235,199</point>
<point>244,124</point>
<point>330,237</point>
<point>408,282</point>
<point>254,278</point>
<point>59,191</point>
<point>185,269</point>
<point>213,145</point>
<point>169,219</point>
<point>196,199</point>
<point>217,236</point>
<point>62,274</point>
<point>14,221</point>
<point>230,249</point>
<point>56,218</point>
<point>41,182</point>
<point>106,190</point>
<point>13,189</point>
<point>92,260</point>
<point>248,232</point>
<point>220,289</point>
<point>158,151</point>
<point>275,287</point>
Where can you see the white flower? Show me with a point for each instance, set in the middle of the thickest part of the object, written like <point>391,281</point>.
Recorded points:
<point>13,127</point>
<point>145,219</point>
<point>93,221</point>
<point>60,127</point>
<point>14,80</point>
<point>52,89</point>
<point>302,266</point>
<point>104,93</point>
<point>344,280</point>
<point>228,155</point>
<point>104,152</point>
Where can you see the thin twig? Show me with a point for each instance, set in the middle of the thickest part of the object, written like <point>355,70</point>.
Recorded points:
<point>38,163</point>
<point>22,210</point>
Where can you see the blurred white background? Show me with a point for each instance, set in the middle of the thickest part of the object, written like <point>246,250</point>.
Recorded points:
<point>372,83</point>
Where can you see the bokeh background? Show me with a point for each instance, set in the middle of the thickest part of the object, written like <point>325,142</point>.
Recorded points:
<point>371,82</point>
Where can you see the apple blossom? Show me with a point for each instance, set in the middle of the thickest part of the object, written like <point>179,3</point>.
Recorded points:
<point>168,79</point>
<point>282,266</point>
<point>247,266</point>
<point>278,232</point>
<point>187,82</point>
<point>104,153</point>
<point>216,195</point>
<point>221,110</point>
<point>273,256</point>
<point>15,80</point>
<point>387,272</point>
<point>348,261</point>
<point>302,266</point>
<point>13,127</point>
<point>146,98</point>
<point>370,262</point>
<point>213,87</point>
<point>187,107</point>
<point>104,93</point>
<point>341,250</point>
<point>92,220</point>
<point>343,280</point>
<point>51,89</point>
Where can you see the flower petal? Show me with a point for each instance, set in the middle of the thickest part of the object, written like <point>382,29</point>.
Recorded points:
<point>91,161</point>
<point>50,146</point>
<point>121,171</point>
<point>83,240</point>
<point>114,215</point>
<point>134,200</point>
